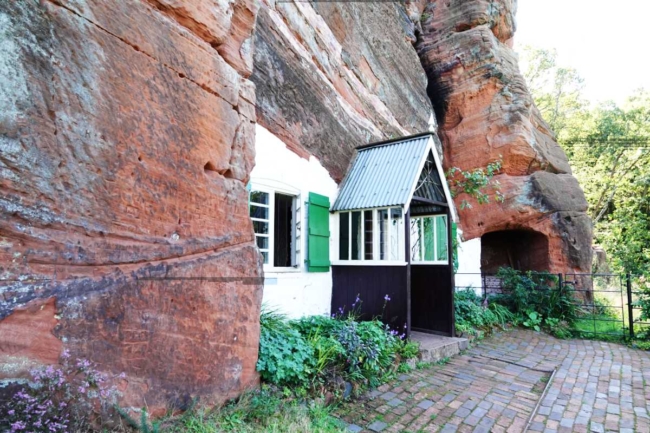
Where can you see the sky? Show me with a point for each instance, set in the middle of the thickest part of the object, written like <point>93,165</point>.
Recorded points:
<point>607,42</point>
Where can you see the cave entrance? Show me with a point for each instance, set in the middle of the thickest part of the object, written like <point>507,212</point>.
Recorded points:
<point>524,250</point>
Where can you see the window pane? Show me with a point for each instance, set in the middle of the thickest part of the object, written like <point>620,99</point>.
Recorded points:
<point>283,236</point>
<point>356,236</point>
<point>259,212</point>
<point>262,242</point>
<point>441,238</point>
<point>428,230</point>
<point>259,197</point>
<point>396,248</point>
<point>382,215</point>
<point>265,257</point>
<point>416,240</point>
<point>261,227</point>
<point>344,236</point>
<point>368,239</point>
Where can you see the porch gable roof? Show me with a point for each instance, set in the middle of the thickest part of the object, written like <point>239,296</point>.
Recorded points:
<point>386,173</point>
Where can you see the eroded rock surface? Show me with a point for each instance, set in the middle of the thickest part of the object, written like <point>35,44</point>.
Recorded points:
<point>333,76</point>
<point>486,113</point>
<point>126,140</point>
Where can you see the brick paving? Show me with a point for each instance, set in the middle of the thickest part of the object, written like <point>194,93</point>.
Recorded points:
<point>496,385</point>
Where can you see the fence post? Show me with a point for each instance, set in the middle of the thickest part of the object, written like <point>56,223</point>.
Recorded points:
<point>630,316</point>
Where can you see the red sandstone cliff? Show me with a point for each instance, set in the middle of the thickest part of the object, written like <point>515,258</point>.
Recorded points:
<point>126,141</point>
<point>333,76</point>
<point>486,113</point>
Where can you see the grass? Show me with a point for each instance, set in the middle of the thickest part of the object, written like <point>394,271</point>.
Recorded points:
<point>599,327</point>
<point>261,412</point>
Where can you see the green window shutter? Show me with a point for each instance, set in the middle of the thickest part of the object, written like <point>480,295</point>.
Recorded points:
<point>318,241</point>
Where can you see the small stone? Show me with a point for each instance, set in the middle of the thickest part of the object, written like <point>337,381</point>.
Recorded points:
<point>377,426</point>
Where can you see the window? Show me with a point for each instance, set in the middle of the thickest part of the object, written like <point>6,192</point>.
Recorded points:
<point>274,218</point>
<point>371,234</point>
<point>368,239</point>
<point>429,239</point>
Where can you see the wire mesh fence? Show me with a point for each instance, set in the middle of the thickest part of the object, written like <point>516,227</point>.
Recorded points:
<point>608,305</point>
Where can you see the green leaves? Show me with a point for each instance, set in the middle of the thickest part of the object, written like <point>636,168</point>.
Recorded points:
<point>476,183</point>
<point>608,146</point>
<point>472,316</point>
<point>532,320</point>
<point>285,357</point>
<point>318,352</point>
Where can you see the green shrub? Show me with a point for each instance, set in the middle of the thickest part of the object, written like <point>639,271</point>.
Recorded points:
<point>532,319</point>
<point>536,291</point>
<point>409,350</point>
<point>642,345</point>
<point>370,351</point>
<point>285,356</point>
<point>318,353</point>
<point>261,411</point>
<point>472,316</point>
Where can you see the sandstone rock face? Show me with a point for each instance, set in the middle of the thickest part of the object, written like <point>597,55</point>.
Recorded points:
<point>126,140</point>
<point>332,76</point>
<point>486,113</point>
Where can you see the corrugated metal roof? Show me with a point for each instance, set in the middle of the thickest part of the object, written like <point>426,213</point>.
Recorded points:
<point>383,175</point>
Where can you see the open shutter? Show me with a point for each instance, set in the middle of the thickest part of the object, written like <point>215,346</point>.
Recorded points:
<point>318,242</point>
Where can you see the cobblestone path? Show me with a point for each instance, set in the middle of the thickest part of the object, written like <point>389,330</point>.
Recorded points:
<point>498,385</point>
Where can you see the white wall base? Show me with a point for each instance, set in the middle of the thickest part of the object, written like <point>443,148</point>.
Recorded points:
<point>469,265</point>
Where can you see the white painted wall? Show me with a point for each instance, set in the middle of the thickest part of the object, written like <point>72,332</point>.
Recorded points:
<point>294,292</point>
<point>469,265</point>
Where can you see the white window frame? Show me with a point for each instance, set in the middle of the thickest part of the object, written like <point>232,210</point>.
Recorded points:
<point>296,244</point>
<point>436,218</point>
<point>376,253</point>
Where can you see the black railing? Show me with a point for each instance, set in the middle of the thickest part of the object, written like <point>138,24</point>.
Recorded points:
<point>607,303</point>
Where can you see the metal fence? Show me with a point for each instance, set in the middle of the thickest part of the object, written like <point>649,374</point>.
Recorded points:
<point>607,303</point>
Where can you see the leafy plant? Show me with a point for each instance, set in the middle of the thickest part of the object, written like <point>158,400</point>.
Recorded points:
<point>141,425</point>
<point>423,365</point>
<point>285,356</point>
<point>475,183</point>
<point>261,411</point>
<point>73,396</point>
<point>409,350</point>
<point>532,319</point>
<point>473,317</point>
<point>318,354</point>
<point>536,291</point>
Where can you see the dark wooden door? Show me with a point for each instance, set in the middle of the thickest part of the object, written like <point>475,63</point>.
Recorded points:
<point>431,299</point>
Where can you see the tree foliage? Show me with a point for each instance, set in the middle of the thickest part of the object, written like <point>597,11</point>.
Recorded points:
<point>608,146</point>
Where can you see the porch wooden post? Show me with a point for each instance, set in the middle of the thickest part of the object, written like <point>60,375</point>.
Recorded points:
<point>450,250</point>
<point>407,239</point>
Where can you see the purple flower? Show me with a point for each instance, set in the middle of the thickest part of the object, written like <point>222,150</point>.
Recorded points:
<point>18,425</point>
<point>386,298</point>
<point>11,412</point>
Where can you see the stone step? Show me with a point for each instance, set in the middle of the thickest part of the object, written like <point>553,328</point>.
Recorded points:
<point>433,347</point>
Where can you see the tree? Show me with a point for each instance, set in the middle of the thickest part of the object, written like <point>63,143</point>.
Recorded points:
<point>609,152</point>
<point>557,91</point>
